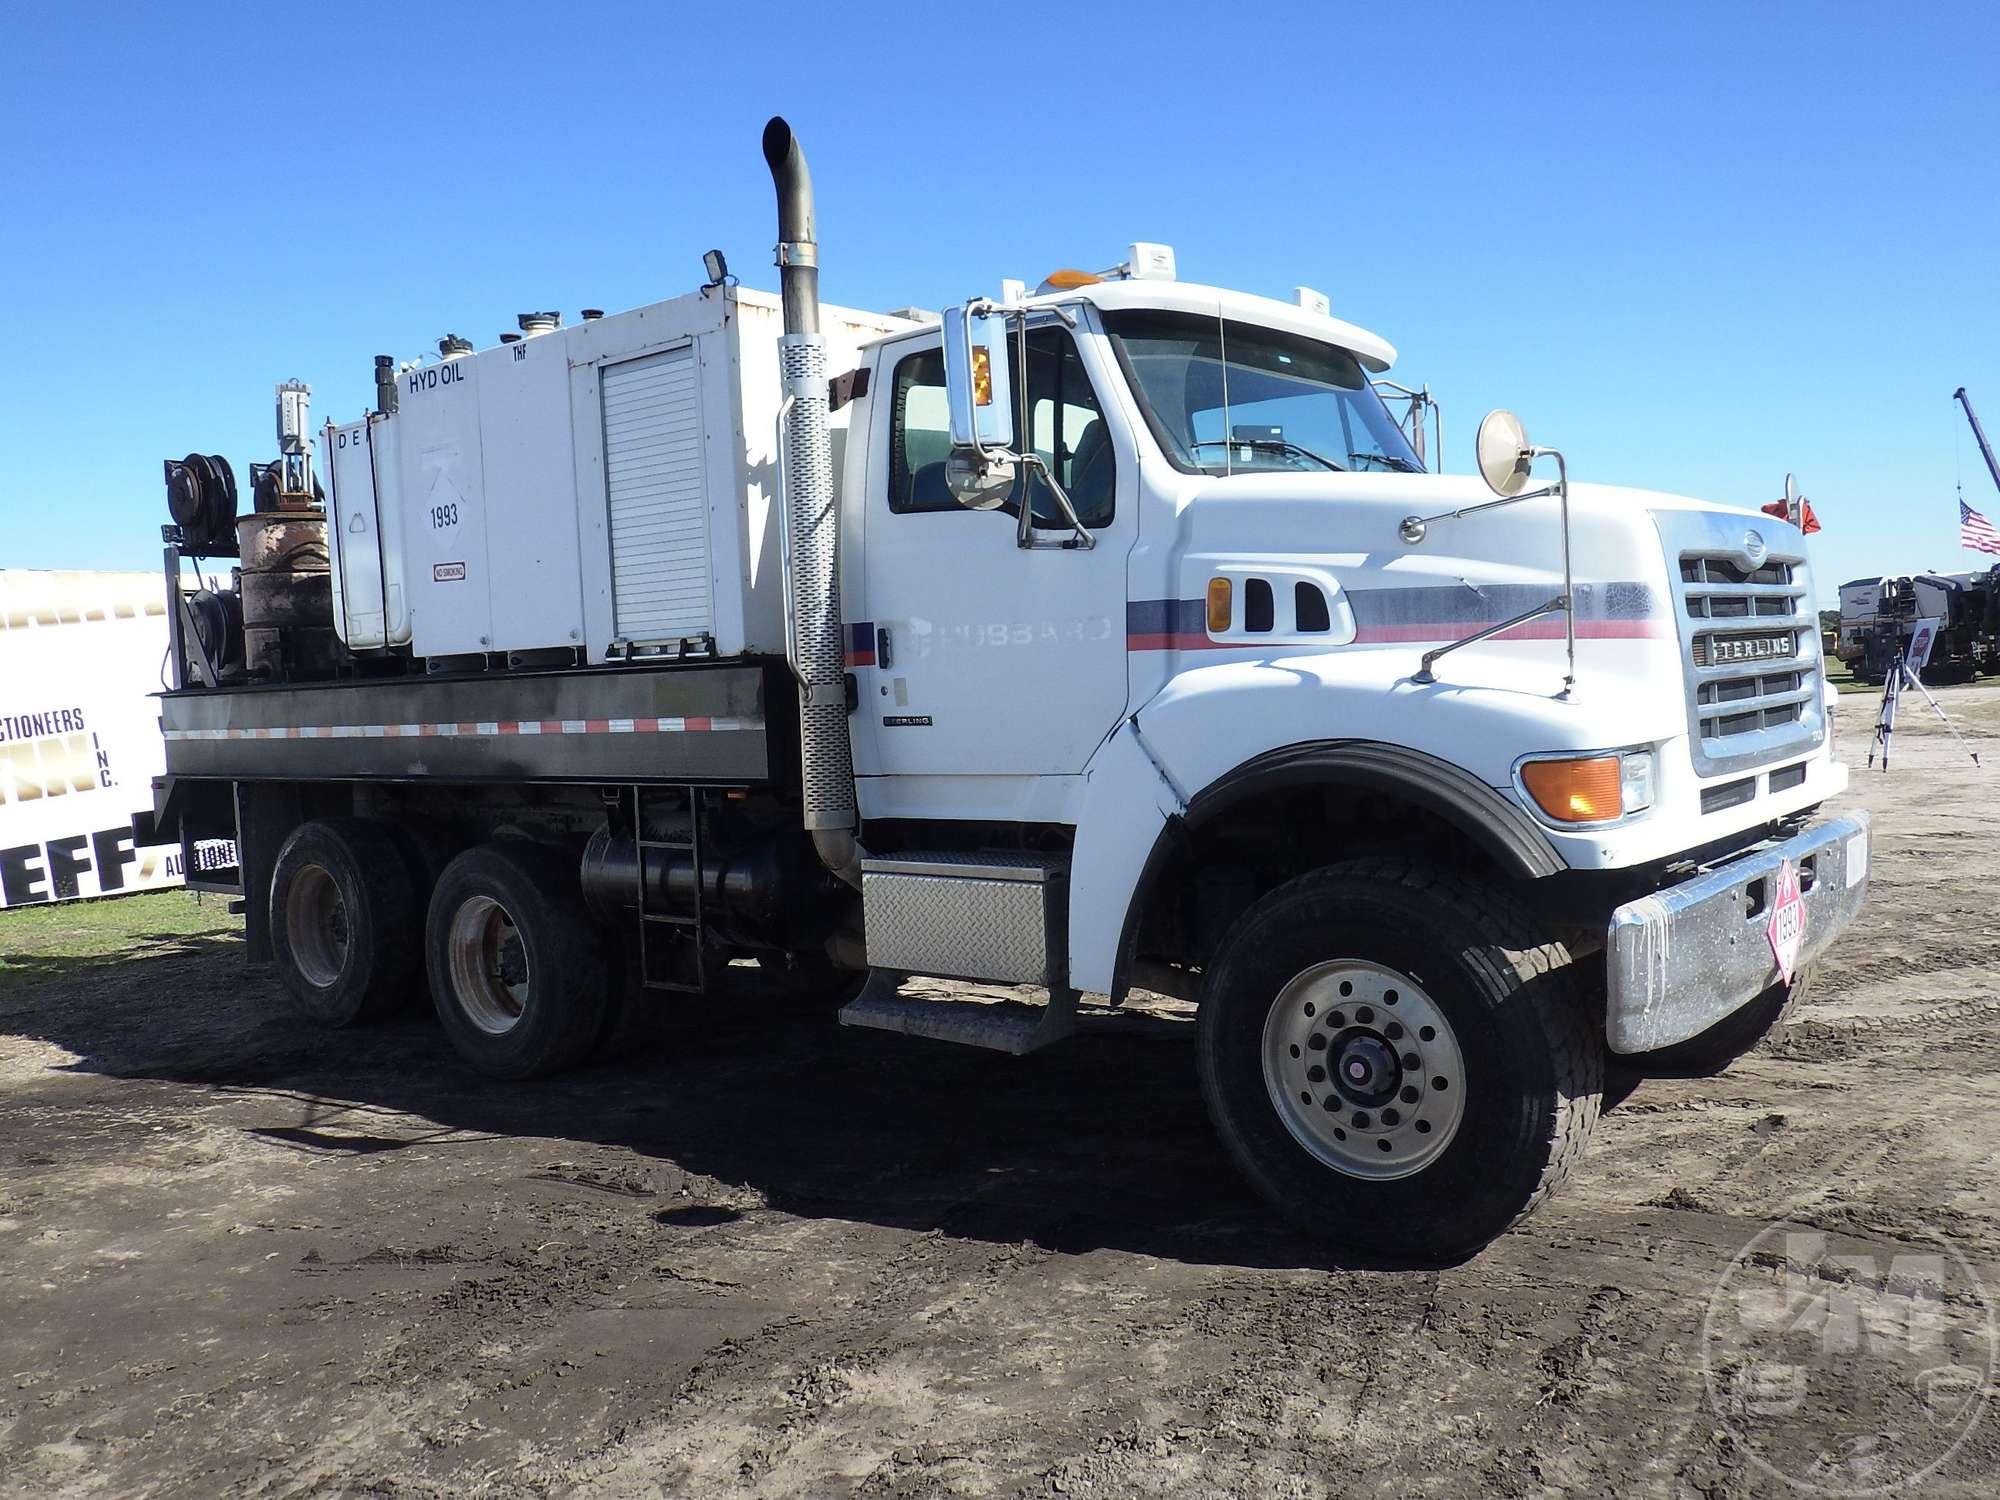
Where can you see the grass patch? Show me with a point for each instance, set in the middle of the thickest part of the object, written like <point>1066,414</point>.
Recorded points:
<point>32,935</point>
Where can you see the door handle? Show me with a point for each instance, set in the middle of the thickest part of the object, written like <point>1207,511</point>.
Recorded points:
<point>883,655</point>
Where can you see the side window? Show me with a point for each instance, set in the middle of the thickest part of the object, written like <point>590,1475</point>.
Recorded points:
<point>919,435</point>
<point>1069,432</point>
<point>1063,415</point>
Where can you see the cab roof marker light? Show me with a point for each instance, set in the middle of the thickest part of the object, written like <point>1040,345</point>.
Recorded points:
<point>1066,280</point>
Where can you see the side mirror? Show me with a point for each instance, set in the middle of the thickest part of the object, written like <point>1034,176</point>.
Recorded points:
<point>975,376</point>
<point>980,472</point>
<point>1505,455</point>
<point>979,481</point>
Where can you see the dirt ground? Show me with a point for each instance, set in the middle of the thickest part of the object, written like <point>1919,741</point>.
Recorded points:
<point>759,1255</point>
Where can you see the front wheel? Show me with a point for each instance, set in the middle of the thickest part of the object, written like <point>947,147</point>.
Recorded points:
<point>1396,1058</point>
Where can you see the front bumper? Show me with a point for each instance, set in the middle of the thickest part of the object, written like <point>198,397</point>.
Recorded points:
<point>1681,959</point>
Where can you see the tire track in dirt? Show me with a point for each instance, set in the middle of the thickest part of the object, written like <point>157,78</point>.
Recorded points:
<point>1838,981</point>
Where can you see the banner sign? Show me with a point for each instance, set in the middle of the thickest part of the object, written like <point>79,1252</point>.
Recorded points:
<point>80,655</point>
<point>1922,639</point>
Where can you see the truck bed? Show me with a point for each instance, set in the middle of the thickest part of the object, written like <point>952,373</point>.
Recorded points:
<point>672,723</point>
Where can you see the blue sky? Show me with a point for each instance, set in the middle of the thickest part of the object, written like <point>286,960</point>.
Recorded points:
<point>1694,246</point>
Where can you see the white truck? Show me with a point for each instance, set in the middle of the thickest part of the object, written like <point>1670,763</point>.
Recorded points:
<point>1108,637</point>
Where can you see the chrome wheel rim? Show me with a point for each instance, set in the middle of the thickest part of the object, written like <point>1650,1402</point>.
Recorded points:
<point>489,965</point>
<point>1364,1069</point>
<point>316,925</point>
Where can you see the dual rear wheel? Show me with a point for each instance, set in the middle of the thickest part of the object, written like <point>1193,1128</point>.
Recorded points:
<point>515,968</point>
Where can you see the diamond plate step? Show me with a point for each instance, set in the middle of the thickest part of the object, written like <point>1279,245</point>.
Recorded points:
<point>999,1026</point>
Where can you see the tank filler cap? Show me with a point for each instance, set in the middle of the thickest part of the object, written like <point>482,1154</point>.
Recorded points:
<point>533,323</point>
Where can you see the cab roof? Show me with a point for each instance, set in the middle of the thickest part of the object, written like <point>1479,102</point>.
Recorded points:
<point>1375,353</point>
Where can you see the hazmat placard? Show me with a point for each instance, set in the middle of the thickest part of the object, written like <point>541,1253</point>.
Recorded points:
<point>80,655</point>
<point>1787,928</point>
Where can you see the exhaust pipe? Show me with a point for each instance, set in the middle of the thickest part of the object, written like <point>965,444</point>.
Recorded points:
<point>812,519</point>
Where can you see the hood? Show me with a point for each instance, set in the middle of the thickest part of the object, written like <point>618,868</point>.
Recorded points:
<point>1467,573</point>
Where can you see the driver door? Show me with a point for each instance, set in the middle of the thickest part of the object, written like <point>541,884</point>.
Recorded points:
<point>978,657</point>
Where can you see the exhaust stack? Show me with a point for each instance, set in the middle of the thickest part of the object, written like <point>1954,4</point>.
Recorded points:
<point>812,522</point>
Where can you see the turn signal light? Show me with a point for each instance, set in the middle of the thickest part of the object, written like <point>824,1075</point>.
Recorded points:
<point>1576,791</point>
<point>982,375</point>
<point>1220,607</point>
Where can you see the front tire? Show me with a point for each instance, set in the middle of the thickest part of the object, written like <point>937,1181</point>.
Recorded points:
<point>519,976</point>
<point>1396,1058</point>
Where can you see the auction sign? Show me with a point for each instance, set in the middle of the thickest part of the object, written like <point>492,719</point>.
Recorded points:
<point>80,656</point>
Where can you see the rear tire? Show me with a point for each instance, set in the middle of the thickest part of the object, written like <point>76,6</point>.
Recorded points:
<point>1739,1032</point>
<point>517,970</point>
<point>345,921</point>
<point>1397,1058</point>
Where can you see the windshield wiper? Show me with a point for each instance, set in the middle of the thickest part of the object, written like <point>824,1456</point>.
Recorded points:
<point>1269,445</point>
<point>1400,464</point>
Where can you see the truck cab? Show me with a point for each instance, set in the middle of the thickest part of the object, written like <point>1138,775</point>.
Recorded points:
<point>1247,588</point>
<point>1204,677</point>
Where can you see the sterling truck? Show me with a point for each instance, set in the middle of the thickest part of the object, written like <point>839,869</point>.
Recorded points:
<point>1104,637</point>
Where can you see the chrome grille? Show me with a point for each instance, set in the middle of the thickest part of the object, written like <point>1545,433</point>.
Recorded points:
<point>1749,637</point>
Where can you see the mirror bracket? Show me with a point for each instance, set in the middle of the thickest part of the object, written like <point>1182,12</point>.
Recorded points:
<point>1413,529</point>
<point>1561,601</point>
<point>1079,539</point>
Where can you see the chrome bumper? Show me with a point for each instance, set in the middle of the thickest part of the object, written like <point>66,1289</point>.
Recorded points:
<point>1680,960</point>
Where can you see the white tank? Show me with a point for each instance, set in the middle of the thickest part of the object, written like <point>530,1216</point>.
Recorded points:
<point>609,487</point>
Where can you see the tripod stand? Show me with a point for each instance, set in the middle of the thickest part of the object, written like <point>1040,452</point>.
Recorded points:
<point>1902,673</point>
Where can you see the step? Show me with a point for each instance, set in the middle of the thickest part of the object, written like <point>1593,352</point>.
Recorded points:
<point>999,1026</point>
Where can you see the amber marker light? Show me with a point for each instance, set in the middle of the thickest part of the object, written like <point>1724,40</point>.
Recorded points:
<point>1576,791</point>
<point>982,376</point>
<point>1219,605</point>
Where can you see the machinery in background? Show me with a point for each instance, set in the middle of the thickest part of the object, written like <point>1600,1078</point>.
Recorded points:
<point>1962,606</point>
<point>1860,608</point>
<point>1979,435</point>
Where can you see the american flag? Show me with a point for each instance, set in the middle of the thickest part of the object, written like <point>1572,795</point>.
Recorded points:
<point>1975,531</point>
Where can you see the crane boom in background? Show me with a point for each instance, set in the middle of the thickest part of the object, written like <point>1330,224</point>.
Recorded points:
<point>1979,434</point>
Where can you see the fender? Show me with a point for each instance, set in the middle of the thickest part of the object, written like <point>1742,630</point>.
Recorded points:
<point>1501,827</point>
<point>1505,831</point>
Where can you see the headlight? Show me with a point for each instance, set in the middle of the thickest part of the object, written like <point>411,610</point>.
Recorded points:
<point>1592,788</point>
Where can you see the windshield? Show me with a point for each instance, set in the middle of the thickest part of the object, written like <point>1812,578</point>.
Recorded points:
<point>1226,397</point>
